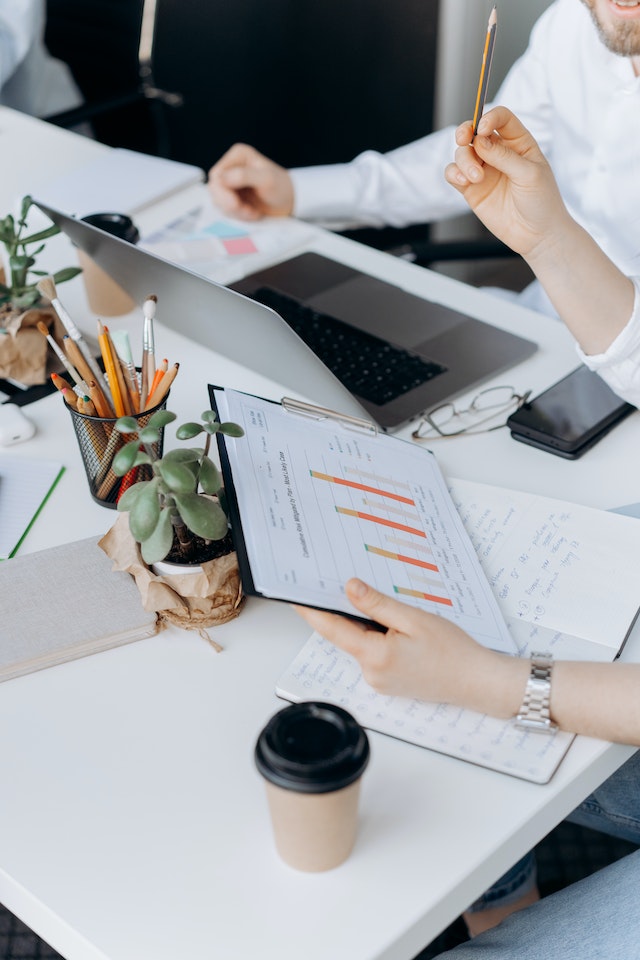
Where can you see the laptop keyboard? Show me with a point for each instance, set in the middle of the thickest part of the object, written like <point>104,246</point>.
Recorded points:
<point>368,367</point>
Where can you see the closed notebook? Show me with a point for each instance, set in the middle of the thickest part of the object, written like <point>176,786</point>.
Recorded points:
<point>63,603</point>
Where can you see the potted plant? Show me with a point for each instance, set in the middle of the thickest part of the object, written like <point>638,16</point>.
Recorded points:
<point>18,292</point>
<point>178,515</point>
<point>23,349</point>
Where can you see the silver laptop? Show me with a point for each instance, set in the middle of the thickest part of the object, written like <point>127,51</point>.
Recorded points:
<point>348,341</point>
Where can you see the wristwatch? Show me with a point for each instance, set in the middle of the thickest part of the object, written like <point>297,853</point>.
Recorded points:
<point>534,712</point>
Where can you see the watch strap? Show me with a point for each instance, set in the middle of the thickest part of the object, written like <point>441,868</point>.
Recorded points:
<point>534,714</point>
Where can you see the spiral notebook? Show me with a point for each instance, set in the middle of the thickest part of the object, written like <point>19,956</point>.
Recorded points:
<point>565,578</point>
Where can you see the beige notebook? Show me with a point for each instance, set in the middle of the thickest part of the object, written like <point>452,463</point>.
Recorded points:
<point>64,603</point>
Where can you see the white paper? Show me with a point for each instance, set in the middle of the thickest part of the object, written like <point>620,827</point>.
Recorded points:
<point>24,485</point>
<point>321,672</point>
<point>564,575</point>
<point>120,181</point>
<point>208,242</point>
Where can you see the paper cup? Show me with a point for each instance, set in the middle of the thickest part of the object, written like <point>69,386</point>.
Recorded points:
<point>312,756</point>
<point>106,297</point>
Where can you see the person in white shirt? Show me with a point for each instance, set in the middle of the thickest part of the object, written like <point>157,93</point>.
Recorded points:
<point>576,88</point>
<point>504,177</point>
<point>30,79</point>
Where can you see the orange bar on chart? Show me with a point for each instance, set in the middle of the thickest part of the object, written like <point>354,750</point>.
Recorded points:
<point>361,486</point>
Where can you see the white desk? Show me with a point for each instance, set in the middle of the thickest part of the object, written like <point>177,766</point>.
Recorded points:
<point>133,824</point>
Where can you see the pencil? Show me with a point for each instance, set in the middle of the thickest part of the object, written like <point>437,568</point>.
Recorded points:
<point>157,377</point>
<point>163,387</point>
<point>63,386</point>
<point>120,339</point>
<point>122,383</point>
<point>100,402</point>
<point>485,69</point>
<point>110,369</point>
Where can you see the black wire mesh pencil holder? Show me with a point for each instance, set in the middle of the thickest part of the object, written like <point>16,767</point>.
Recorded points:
<point>99,442</point>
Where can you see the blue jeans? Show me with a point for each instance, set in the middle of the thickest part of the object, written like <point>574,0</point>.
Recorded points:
<point>613,808</point>
<point>595,919</point>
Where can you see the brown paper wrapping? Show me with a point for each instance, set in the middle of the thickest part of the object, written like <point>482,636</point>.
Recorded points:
<point>193,601</point>
<point>23,349</point>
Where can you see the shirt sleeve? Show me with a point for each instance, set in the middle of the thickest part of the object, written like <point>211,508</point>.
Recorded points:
<point>619,365</point>
<point>19,26</point>
<point>407,185</point>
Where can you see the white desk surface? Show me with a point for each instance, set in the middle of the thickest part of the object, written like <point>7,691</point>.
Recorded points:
<point>133,824</point>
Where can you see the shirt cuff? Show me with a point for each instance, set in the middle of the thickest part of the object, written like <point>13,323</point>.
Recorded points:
<point>626,344</point>
<point>619,366</point>
<point>326,192</point>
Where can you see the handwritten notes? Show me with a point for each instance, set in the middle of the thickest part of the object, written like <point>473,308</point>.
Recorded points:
<point>565,578</point>
<point>564,575</point>
<point>321,672</point>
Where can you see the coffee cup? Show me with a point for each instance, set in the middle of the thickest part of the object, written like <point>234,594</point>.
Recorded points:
<point>312,756</point>
<point>106,297</point>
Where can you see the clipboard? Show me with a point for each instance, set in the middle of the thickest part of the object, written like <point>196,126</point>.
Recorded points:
<point>313,500</point>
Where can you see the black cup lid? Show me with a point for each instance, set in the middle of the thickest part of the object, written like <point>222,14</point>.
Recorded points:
<point>312,747</point>
<point>118,224</point>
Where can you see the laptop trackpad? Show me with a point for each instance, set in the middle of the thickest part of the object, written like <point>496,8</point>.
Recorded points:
<point>386,311</point>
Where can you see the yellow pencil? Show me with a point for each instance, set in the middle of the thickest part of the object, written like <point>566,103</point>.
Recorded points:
<point>485,69</point>
<point>110,369</point>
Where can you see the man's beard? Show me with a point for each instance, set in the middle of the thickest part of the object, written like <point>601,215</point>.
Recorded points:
<point>623,39</point>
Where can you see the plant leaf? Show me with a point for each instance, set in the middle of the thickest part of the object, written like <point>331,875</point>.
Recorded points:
<point>181,455</point>
<point>178,477</point>
<point>161,418</point>
<point>231,429</point>
<point>189,430</point>
<point>126,425</point>
<point>203,516</point>
<point>208,416</point>
<point>149,434</point>
<point>67,273</point>
<point>40,235</point>
<point>157,546</point>
<point>26,299</point>
<point>125,458</point>
<point>145,512</point>
<point>129,497</point>
<point>210,477</point>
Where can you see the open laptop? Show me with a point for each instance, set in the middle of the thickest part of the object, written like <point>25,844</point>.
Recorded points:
<point>348,341</point>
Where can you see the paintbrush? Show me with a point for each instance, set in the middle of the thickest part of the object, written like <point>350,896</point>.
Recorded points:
<point>148,348</point>
<point>71,370</point>
<point>47,288</point>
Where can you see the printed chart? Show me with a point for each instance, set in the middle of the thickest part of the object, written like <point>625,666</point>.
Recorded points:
<point>321,503</point>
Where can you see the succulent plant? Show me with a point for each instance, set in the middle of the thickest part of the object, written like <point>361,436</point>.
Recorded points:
<point>19,290</point>
<point>183,504</point>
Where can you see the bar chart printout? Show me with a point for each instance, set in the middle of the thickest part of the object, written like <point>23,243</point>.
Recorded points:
<point>321,503</point>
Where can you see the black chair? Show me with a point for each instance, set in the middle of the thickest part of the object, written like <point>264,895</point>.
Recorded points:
<point>307,82</point>
<point>108,47</point>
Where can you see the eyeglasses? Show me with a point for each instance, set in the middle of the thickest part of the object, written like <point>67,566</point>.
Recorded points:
<point>449,421</point>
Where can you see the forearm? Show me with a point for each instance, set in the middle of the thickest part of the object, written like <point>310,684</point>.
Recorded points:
<point>591,295</point>
<point>595,699</point>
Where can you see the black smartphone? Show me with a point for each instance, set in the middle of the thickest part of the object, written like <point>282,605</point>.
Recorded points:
<point>571,416</point>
